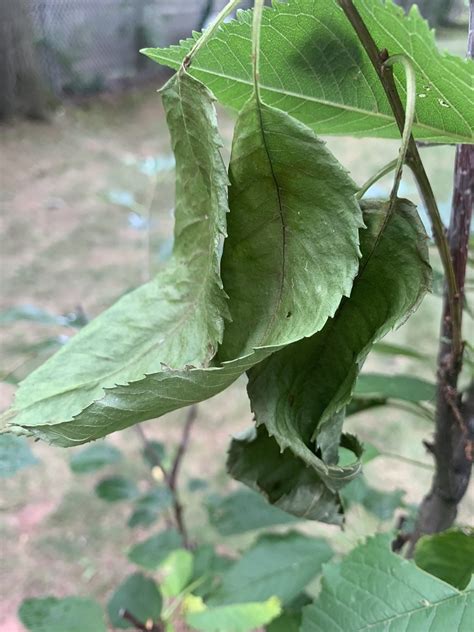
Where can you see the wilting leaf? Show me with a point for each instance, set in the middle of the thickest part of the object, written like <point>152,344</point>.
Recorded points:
<point>71,614</point>
<point>151,553</point>
<point>313,66</point>
<point>116,488</point>
<point>448,555</point>
<point>173,321</point>
<point>94,457</point>
<point>15,454</point>
<point>299,393</point>
<point>256,460</point>
<point>291,254</point>
<point>139,595</point>
<point>280,565</point>
<point>235,618</point>
<point>292,250</point>
<point>374,589</point>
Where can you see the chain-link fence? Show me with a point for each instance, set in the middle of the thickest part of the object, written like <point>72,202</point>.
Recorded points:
<point>89,45</point>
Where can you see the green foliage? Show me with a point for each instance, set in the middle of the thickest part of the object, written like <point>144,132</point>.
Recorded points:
<point>295,287</point>
<point>173,321</point>
<point>71,614</point>
<point>374,589</point>
<point>138,595</point>
<point>177,570</point>
<point>313,67</point>
<point>448,555</point>
<point>149,506</point>
<point>243,511</point>
<point>299,393</point>
<point>94,458</point>
<point>15,454</point>
<point>116,488</point>
<point>152,552</point>
<point>276,565</point>
<point>402,387</point>
<point>235,618</point>
<point>381,504</point>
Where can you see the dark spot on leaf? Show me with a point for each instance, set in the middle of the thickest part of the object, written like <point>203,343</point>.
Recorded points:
<point>288,314</point>
<point>334,52</point>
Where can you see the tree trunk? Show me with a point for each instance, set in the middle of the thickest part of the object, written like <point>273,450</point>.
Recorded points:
<point>23,90</point>
<point>454,436</point>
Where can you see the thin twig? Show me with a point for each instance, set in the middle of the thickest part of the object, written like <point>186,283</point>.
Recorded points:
<point>183,445</point>
<point>151,452</point>
<point>149,626</point>
<point>385,74</point>
<point>171,478</point>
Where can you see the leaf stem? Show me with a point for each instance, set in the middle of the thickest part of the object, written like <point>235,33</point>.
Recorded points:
<point>413,159</point>
<point>409,117</point>
<point>208,33</point>
<point>375,178</point>
<point>256,32</point>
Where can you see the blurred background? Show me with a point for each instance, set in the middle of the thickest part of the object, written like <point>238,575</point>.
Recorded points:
<point>86,195</point>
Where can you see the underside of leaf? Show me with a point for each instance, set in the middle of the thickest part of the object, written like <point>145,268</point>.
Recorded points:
<point>291,255</point>
<point>299,394</point>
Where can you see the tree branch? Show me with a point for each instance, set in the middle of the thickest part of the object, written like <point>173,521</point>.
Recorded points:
<point>454,436</point>
<point>149,626</point>
<point>453,446</point>
<point>171,478</point>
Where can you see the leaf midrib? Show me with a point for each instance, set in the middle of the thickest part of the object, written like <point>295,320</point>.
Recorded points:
<point>434,131</point>
<point>409,613</point>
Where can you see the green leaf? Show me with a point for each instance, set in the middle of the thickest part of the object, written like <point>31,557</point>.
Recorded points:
<point>403,387</point>
<point>71,614</point>
<point>291,617</point>
<point>381,504</point>
<point>116,488</point>
<point>285,269</point>
<point>243,511</point>
<point>138,595</point>
<point>177,571</point>
<point>291,254</point>
<point>150,553</point>
<point>279,565</point>
<point>256,459</point>
<point>299,393</point>
<point>313,66</point>
<point>374,589</point>
<point>175,320</point>
<point>149,506</point>
<point>448,555</point>
<point>94,457</point>
<point>15,454</point>
<point>389,348</point>
<point>235,618</point>
<point>208,570</point>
